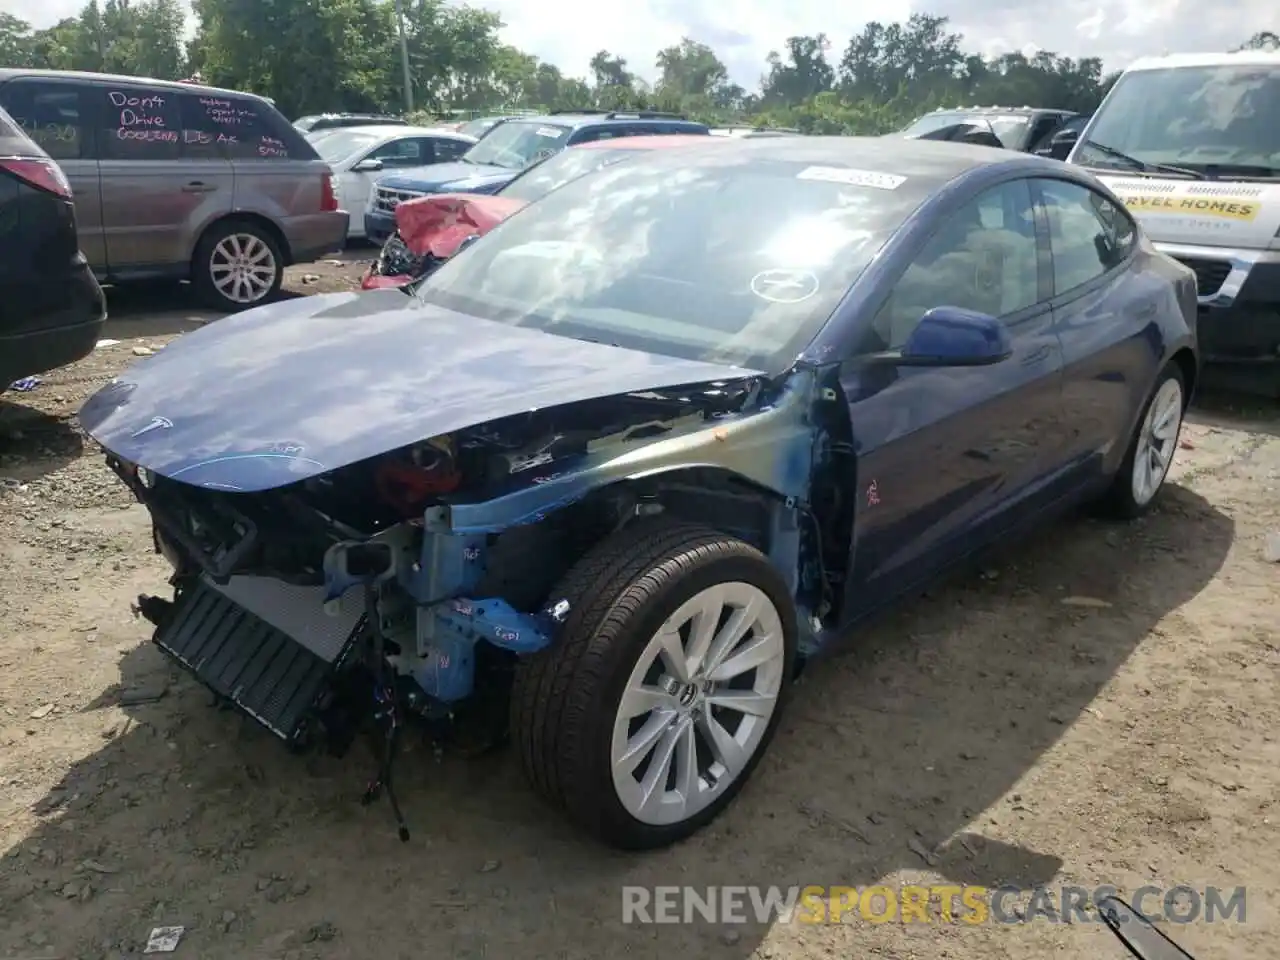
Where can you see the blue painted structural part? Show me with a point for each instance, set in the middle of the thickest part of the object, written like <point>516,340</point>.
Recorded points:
<point>448,623</point>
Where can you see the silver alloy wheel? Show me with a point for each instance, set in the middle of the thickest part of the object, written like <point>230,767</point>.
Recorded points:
<point>243,268</point>
<point>698,703</point>
<point>1157,440</point>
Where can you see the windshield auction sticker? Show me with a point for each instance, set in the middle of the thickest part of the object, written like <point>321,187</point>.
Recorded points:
<point>855,178</point>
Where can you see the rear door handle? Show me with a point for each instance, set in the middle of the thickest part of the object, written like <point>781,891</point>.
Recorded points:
<point>196,186</point>
<point>1145,310</point>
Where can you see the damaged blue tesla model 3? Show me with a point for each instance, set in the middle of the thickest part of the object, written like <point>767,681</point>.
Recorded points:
<point>614,472</point>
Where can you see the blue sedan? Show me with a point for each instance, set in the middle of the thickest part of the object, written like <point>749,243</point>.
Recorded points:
<point>614,472</point>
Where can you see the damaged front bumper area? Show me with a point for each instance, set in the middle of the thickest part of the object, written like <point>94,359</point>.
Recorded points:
<point>274,647</point>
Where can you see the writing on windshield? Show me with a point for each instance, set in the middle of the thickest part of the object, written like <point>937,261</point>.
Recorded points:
<point>515,145</point>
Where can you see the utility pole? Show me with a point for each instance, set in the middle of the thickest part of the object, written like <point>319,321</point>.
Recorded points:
<point>404,61</point>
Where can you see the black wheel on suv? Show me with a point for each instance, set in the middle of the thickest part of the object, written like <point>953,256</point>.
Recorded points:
<point>237,265</point>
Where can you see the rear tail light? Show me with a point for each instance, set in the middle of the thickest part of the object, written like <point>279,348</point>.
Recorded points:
<point>328,196</point>
<point>39,173</point>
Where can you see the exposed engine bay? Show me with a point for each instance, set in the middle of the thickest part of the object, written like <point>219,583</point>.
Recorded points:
<point>351,600</point>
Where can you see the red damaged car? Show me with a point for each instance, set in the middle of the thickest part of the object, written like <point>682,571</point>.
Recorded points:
<point>431,229</point>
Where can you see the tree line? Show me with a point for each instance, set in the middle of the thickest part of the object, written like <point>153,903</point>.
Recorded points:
<point>313,56</point>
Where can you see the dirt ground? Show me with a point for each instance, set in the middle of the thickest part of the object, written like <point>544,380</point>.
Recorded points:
<point>994,731</point>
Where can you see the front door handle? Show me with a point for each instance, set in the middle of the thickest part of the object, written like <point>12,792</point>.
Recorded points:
<point>196,186</point>
<point>1145,310</point>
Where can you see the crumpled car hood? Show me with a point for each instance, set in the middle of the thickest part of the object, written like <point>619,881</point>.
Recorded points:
<point>453,178</point>
<point>438,224</point>
<point>296,389</point>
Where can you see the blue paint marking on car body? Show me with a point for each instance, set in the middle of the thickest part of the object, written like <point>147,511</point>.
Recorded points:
<point>955,376</point>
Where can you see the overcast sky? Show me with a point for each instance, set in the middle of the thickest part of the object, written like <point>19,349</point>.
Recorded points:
<point>1116,30</point>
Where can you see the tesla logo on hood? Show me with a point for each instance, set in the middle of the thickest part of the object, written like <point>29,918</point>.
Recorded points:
<point>157,423</point>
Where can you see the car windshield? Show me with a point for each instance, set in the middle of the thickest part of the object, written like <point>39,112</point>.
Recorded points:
<point>736,260</point>
<point>1010,129</point>
<point>1213,120</point>
<point>478,128</point>
<point>343,143</point>
<point>515,144</point>
<point>556,171</point>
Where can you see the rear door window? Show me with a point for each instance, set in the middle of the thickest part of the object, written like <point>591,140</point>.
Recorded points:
<point>405,152</point>
<point>447,149</point>
<point>139,123</point>
<point>57,116</point>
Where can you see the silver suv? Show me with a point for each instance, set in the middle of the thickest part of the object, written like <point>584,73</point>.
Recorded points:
<point>182,181</point>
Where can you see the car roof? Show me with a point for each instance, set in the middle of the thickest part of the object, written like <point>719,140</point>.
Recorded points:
<point>1005,111</point>
<point>12,73</point>
<point>930,163</point>
<point>1240,58</point>
<point>657,141</point>
<point>391,130</point>
<point>576,120</point>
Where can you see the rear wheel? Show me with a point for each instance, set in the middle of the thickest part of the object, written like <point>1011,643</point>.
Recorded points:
<point>654,706</point>
<point>1146,465</point>
<point>237,265</point>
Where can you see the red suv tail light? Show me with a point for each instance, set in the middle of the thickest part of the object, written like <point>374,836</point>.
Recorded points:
<point>328,196</point>
<point>39,173</point>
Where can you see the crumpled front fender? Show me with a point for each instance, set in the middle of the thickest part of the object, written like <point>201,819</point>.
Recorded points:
<point>771,448</point>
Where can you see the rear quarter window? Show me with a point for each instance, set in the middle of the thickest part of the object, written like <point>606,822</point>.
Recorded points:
<point>56,116</point>
<point>238,128</point>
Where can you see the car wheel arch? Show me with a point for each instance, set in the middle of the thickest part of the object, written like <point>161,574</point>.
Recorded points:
<point>1186,361</point>
<point>252,219</point>
<point>712,495</point>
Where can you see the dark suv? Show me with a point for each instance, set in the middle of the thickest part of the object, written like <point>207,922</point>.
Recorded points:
<point>51,307</point>
<point>181,180</point>
<point>1015,128</point>
<point>509,147</point>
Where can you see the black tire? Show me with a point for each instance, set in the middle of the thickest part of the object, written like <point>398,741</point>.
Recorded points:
<point>565,698</point>
<point>1120,502</point>
<point>202,265</point>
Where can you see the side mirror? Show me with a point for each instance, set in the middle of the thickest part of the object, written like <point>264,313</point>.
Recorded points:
<point>952,337</point>
<point>367,165</point>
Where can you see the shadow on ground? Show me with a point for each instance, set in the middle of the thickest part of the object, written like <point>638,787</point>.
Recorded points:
<point>33,443</point>
<point>1233,410</point>
<point>900,754</point>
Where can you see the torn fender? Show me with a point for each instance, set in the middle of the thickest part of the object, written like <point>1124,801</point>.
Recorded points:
<point>772,447</point>
<point>437,224</point>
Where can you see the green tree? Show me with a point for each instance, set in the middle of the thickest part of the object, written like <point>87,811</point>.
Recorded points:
<point>610,71</point>
<point>308,55</point>
<point>15,41</point>
<point>690,69</point>
<point>1263,40</point>
<point>804,74</point>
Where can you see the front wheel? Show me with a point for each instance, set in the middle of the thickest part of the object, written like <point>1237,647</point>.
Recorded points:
<point>237,266</point>
<point>652,709</point>
<point>1146,465</point>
